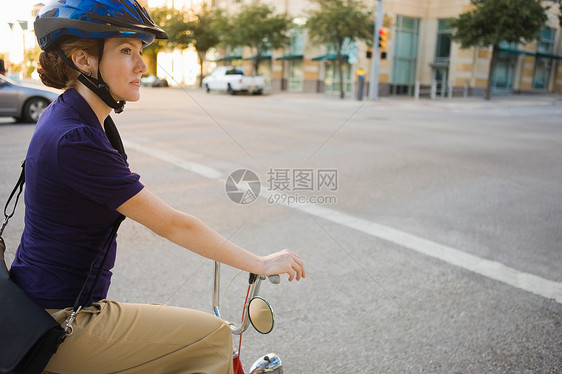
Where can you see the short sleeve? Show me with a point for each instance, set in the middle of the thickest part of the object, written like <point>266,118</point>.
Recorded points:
<point>89,165</point>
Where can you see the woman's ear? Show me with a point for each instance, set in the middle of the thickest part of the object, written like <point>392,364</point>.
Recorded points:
<point>85,62</point>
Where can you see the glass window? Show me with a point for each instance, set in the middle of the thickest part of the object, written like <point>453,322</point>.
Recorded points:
<point>506,45</point>
<point>296,76</point>
<point>542,73</point>
<point>504,72</point>
<point>234,71</point>
<point>444,25</point>
<point>346,47</point>
<point>543,64</point>
<point>443,48</point>
<point>266,52</point>
<point>332,78</point>
<point>546,40</point>
<point>409,24</point>
<point>405,54</point>
<point>236,51</point>
<point>297,41</point>
<point>406,46</point>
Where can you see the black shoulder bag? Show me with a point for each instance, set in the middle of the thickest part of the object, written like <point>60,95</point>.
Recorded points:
<point>29,336</point>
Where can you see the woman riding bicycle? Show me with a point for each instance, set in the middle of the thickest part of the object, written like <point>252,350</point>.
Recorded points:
<point>78,184</point>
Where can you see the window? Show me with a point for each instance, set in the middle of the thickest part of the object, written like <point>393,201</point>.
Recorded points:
<point>541,73</point>
<point>234,71</point>
<point>346,47</point>
<point>296,76</point>
<point>504,70</point>
<point>405,55</point>
<point>332,78</point>
<point>443,48</point>
<point>297,41</point>
<point>546,41</point>
<point>543,65</point>
<point>237,51</point>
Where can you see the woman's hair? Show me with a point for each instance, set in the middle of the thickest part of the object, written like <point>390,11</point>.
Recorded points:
<point>54,72</point>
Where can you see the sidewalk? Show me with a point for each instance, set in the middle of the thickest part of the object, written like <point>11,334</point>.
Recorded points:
<point>456,103</point>
<point>500,100</point>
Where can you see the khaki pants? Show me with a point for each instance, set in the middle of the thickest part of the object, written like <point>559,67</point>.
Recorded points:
<point>112,337</point>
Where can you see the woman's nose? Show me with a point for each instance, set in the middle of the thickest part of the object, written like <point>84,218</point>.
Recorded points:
<point>141,65</point>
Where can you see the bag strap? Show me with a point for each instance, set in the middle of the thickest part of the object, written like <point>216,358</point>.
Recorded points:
<point>77,304</point>
<point>115,140</point>
<point>105,251</point>
<point>18,188</point>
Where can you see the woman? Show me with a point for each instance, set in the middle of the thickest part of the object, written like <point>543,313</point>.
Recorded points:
<point>78,185</point>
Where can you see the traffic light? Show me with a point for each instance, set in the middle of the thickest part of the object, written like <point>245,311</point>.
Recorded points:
<point>383,37</point>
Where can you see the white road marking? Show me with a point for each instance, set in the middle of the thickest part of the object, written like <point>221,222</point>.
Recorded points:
<point>194,167</point>
<point>490,269</point>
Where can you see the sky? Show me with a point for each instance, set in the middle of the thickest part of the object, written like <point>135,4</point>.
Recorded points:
<point>20,9</point>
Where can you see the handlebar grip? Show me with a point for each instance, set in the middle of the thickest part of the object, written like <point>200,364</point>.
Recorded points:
<point>275,279</point>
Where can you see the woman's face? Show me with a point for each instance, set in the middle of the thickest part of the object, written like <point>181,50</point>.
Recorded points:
<point>122,67</point>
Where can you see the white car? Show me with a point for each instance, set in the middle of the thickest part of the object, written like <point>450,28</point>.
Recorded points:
<point>154,81</point>
<point>233,80</point>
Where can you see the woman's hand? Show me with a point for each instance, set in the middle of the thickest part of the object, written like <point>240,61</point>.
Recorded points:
<point>284,262</point>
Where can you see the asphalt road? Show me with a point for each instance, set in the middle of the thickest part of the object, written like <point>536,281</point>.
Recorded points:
<point>434,245</point>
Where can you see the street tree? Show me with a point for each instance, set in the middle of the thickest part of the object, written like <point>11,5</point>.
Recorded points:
<point>491,22</point>
<point>332,22</point>
<point>31,56</point>
<point>205,32</point>
<point>257,26</point>
<point>175,23</point>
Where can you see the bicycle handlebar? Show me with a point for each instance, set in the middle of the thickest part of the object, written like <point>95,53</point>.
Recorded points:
<point>275,279</point>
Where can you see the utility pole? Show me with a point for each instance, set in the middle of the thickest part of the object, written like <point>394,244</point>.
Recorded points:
<point>375,65</point>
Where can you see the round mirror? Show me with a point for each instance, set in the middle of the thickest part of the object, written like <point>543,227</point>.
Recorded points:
<point>261,315</point>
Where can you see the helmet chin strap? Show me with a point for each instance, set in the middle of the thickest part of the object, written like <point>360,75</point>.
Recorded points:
<point>96,85</point>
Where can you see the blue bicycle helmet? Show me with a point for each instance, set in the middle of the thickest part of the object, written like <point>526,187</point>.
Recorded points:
<point>94,19</point>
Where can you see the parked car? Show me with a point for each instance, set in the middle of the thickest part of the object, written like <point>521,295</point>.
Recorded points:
<point>154,81</point>
<point>233,80</point>
<point>23,102</point>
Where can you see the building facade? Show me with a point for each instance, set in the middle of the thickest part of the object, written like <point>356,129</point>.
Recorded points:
<point>419,54</point>
<point>420,57</point>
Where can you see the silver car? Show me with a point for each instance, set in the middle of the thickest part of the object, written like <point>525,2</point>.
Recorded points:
<point>23,102</point>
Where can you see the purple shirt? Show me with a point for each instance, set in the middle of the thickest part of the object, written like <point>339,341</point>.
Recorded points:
<point>74,182</point>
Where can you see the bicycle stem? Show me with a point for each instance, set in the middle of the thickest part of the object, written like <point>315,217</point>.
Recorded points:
<point>254,289</point>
